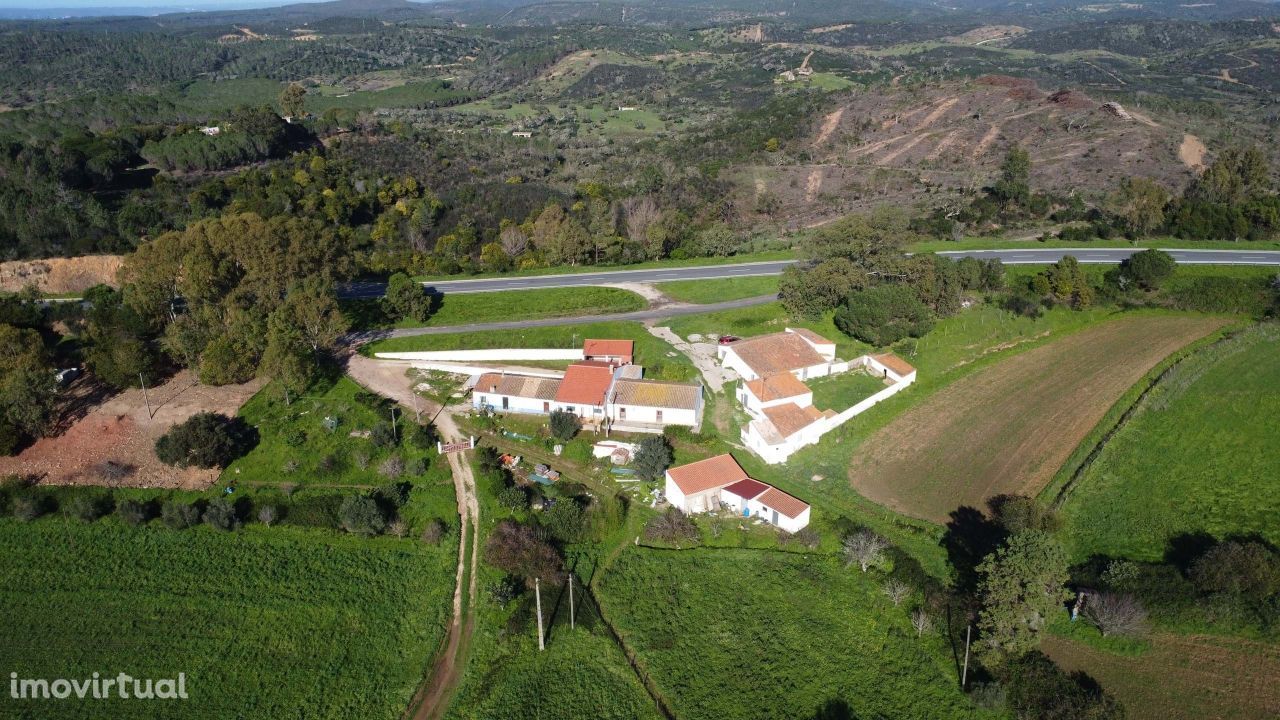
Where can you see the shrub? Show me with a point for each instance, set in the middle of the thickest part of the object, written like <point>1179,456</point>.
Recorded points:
<point>514,498</point>
<point>564,520</point>
<point>652,458</point>
<point>804,537</point>
<point>564,425</point>
<point>1149,268</point>
<point>1116,614</point>
<point>133,512</point>
<point>422,437</point>
<point>1037,688</point>
<point>671,526</point>
<point>392,467</point>
<point>517,549</point>
<point>434,532</point>
<point>361,514</point>
<point>179,515</point>
<point>383,435</point>
<point>221,515</point>
<point>267,515</point>
<point>206,440</point>
<point>88,508</point>
<point>29,507</point>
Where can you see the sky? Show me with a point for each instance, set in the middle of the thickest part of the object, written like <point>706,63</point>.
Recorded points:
<point>51,6</point>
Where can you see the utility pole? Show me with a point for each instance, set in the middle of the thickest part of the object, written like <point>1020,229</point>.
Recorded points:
<point>964,676</point>
<point>537,589</point>
<point>393,423</point>
<point>571,601</point>
<point>145,399</point>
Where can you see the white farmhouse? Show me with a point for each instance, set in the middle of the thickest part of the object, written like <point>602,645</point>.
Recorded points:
<point>502,392</point>
<point>786,428</point>
<point>650,405</point>
<point>720,483</point>
<point>584,390</point>
<point>801,352</point>
<point>782,389</point>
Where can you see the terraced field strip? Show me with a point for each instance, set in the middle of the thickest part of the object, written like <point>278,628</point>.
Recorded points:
<point>1008,427</point>
<point>1183,677</point>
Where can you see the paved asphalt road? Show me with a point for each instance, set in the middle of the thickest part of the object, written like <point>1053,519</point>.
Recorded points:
<point>775,267</point>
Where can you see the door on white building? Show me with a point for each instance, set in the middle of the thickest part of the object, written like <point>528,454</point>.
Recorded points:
<point>773,518</point>
<point>506,402</point>
<point>659,416</point>
<point>622,413</point>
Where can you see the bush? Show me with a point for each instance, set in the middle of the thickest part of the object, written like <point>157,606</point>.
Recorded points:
<point>361,514</point>
<point>422,437</point>
<point>564,520</point>
<point>434,532</point>
<point>392,467</point>
<point>206,440</point>
<point>29,507</point>
<point>671,526</point>
<point>133,512</point>
<point>652,458</point>
<point>1148,269</point>
<point>564,425</point>
<point>805,537</point>
<point>88,508</point>
<point>513,498</point>
<point>1037,688</point>
<point>221,515</point>
<point>179,515</point>
<point>383,435</point>
<point>884,315</point>
<point>267,515</point>
<point>1222,294</point>
<point>517,549</point>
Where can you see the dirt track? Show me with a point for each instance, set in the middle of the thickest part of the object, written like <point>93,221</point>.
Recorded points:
<point>1009,427</point>
<point>387,378</point>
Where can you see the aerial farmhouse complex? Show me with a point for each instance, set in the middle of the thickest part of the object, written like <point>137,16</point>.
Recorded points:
<point>773,369</point>
<point>604,389</point>
<point>719,483</point>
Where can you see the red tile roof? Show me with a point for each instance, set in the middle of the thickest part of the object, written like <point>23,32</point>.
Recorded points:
<point>776,353</point>
<point>525,386</point>
<point>708,474</point>
<point>747,489</point>
<point>585,384</point>
<point>777,387</point>
<point>811,336</point>
<point>894,363</point>
<point>787,505</point>
<point>609,348</point>
<point>790,418</point>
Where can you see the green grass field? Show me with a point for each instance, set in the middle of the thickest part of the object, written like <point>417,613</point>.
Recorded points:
<point>703,292</point>
<point>731,633</point>
<point>466,308</point>
<point>265,623</point>
<point>1198,457</point>
<point>762,256</point>
<point>296,447</point>
<point>840,392</point>
<point>215,97</point>
<point>999,243</point>
<point>650,352</point>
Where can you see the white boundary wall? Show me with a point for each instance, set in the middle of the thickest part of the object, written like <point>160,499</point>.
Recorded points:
<point>471,370</point>
<point>485,355</point>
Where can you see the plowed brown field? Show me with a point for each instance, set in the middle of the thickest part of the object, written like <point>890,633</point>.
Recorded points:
<point>1009,427</point>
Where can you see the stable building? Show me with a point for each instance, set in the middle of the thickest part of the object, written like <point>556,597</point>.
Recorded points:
<point>649,405</point>
<point>584,389</point>
<point>802,353</point>
<point>781,389</point>
<point>614,352</point>
<point>503,392</point>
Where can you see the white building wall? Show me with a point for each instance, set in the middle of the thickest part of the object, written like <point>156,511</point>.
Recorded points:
<point>758,509</point>
<point>485,355</point>
<point>794,524</point>
<point>674,495</point>
<point>480,400</point>
<point>755,407</point>
<point>644,414</point>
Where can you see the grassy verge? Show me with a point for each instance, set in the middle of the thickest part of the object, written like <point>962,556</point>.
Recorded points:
<point>251,617</point>
<point>712,291</point>
<point>1196,457</point>
<point>843,391</point>
<point>995,243</point>
<point>762,256</point>
<point>467,308</point>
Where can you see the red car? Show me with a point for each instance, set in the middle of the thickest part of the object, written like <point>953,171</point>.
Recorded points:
<point>729,339</point>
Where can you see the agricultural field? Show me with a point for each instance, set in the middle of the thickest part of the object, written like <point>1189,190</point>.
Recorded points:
<point>251,618</point>
<point>299,446</point>
<point>1197,457</point>
<point>730,633</point>
<point>704,292</point>
<point>1183,677</point>
<point>658,358</point>
<point>1008,427</point>
<point>213,97</point>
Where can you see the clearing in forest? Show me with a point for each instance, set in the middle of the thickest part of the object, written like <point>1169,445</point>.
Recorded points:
<point>1008,427</point>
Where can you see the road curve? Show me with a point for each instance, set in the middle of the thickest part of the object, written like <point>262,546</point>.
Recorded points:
<point>1027,256</point>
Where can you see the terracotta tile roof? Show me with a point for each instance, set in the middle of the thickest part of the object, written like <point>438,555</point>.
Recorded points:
<point>585,384</point>
<point>894,363</point>
<point>777,387</point>
<point>620,348</point>
<point>713,472</point>
<point>811,336</point>
<point>787,505</point>
<point>655,393</point>
<point>747,489</point>
<point>525,386</point>
<point>790,418</point>
<point>777,353</point>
